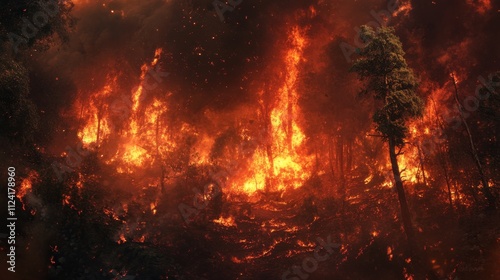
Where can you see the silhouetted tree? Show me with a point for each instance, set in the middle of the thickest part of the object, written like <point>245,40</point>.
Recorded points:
<point>25,23</point>
<point>393,86</point>
<point>18,115</point>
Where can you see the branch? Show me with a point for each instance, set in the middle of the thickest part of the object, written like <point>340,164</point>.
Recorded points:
<point>400,152</point>
<point>376,135</point>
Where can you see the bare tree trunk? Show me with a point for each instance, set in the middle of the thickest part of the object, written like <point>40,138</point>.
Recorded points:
<point>340,153</point>
<point>447,178</point>
<point>458,202</point>
<point>330,163</point>
<point>158,156</point>
<point>330,157</point>
<point>341,167</point>
<point>421,265</point>
<point>289,119</point>
<point>444,166</point>
<point>269,150</point>
<point>422,166</point>
<point>99,117</point>
<point>405,212</point>
<point>349,155</point>
<point>486,188</point>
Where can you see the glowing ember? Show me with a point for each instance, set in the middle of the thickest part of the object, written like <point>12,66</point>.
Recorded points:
<point>26,186</point>
<point>122,239</point>
<point>227,222</point>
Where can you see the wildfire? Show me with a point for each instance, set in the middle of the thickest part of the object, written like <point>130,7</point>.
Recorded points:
<point>142,138</point>
<point>133,125</point>
<point>281,165</point>
<point>409,167</point>
<point>404,8</point>
<point>152,206</point>
<point>97,126</point>
<point>121,239</point>
<point>227,222</point>
<point>481,6</point>
<point>26,186</point>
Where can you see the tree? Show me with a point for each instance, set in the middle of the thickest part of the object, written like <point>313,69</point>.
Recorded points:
<point>484,181</point>
<point>489,118</point>
<point>26,23</point>
<point>19,117</point>
<point>381,65</point>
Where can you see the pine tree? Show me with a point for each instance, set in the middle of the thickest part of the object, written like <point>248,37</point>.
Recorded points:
<point>392,84</point>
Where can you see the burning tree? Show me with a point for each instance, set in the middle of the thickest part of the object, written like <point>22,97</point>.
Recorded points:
<point>393,86</point>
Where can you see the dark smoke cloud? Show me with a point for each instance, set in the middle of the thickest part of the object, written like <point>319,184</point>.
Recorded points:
<point>207,59</point>
<point>441,36</point>
<point>219,65</point>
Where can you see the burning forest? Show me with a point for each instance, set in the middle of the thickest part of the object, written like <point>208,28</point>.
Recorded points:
<point>178,139</point>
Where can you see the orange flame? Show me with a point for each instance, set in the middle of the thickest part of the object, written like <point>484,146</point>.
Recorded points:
<point>287,168</point>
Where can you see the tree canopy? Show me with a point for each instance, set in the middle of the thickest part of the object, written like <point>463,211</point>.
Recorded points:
<point>25,23</point>
<point>19,117</point>
<point>390,81</point>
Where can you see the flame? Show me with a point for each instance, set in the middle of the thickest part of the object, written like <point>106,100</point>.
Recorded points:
<point>227,222</point>
<point>97,126</point>
<point>288,167</point>
<point>121,239</point>
<point>142,135</point>
<point>142,239</point>
<point>66,199</point>
<point>481,6</point>
<point>404,8</point>
<point>152,206</point>
<point>26,187</point>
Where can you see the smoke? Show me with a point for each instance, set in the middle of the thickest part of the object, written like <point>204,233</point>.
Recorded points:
<point>454,37</point>
<point>219,66</point>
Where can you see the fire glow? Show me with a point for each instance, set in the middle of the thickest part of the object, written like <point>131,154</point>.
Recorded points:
<point>143,136</point>
<point>261,141</point>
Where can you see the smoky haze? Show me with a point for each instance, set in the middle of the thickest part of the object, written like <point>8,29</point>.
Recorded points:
<point>220,65</point>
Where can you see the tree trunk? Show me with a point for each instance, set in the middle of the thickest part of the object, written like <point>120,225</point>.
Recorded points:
<point>341,168</point>
<point>422,165</point>
<point>421,265</point>
<point>349,155</point>
<point>158,156</point>
<point>486,188</point>
<point>289,120</point>
<point>444,165</point>
<point>99,117</point>
<point>405,212</point>
<point>447,178</point>
<point>330,162</point>
<point>269,151</point>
